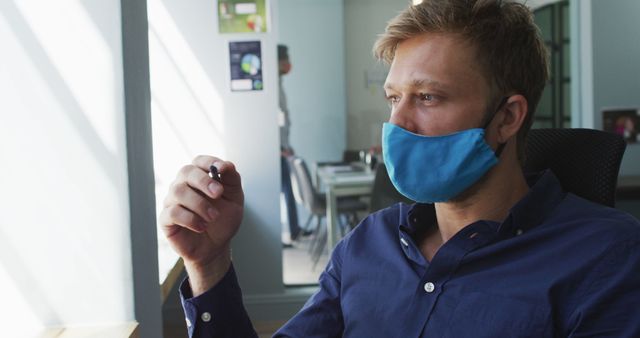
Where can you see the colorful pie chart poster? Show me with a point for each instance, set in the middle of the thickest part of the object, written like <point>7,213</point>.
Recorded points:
<point>245,58</point>
<point>242,16</point>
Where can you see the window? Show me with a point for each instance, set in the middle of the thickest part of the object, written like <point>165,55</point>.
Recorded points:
<point>554,109</point>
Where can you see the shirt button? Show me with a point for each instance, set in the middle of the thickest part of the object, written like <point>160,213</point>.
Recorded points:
<point>404,241</point>
<point>188,322</point>
<point>429,287</point>
<point>206,317</point>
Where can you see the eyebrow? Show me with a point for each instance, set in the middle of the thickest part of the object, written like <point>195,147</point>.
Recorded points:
<point>419,83</point>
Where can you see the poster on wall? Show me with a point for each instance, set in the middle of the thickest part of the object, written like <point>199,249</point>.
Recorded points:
<point>624,122</point>
<point>245,63</point>
<point>242,16</point>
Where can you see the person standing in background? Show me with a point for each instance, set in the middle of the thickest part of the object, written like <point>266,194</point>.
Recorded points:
<point>286,151</point>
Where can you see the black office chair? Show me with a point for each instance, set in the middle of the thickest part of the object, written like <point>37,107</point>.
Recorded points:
<point>383,193</point>
<point>351,155</point>
<point>586,161</point>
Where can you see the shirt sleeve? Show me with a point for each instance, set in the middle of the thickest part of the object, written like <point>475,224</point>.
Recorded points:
<point>321,316</point>
<point>610,306</point>
<point>217,313</point>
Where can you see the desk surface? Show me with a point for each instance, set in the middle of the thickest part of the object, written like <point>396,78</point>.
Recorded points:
<point>628,188</point>
<point>629,181</point>
<point>339,183</point>
<point>344,175</point>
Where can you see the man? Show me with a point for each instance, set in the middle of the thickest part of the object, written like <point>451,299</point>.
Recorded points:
<point>488,251</point>
<point>286,151</point>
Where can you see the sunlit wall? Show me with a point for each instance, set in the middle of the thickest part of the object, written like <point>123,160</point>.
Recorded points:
<point>190,74</point>
<point>64,230</point>
<point>187,111</point>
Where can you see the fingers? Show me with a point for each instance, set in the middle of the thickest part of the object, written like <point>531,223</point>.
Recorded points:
<point>176,216</point>
<point>181,193</point>
<point>228,173</point>
<point>198,179</point>
<point>191,201</point>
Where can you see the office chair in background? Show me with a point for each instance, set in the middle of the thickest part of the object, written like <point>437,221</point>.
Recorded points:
<point>316,205</point>
<point>383,193</point>
<point>586,161</point>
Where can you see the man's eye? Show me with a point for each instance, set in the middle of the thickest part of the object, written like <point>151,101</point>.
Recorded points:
<point>392,99</point>
<point>426,97</point>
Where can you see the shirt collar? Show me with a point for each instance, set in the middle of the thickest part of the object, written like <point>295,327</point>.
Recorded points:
<point>417,217</point>
<point>545,192</point>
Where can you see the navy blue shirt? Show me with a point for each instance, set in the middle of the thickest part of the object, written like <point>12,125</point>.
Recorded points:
<point>558,265</point>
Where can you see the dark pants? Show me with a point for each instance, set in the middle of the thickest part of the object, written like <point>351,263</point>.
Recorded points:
<point>292,211</point>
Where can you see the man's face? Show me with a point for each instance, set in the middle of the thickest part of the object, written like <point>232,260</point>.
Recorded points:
<point>434,86</point>
<point>284,66</point>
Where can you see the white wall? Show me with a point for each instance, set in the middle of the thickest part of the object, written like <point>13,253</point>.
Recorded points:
<point>65,256</point>
<point>194,112</point>
<point>316,94</point>
<point>605,64</point>
<point>366,107</point>
<point>616,70</point>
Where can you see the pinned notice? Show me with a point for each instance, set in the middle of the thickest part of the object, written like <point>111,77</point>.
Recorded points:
<point>245,63</point>
<point>242,16</point>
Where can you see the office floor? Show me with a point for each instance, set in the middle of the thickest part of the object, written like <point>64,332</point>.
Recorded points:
<point>297,265</point>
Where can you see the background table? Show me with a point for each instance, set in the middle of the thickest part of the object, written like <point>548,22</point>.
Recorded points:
<point>337,182</point>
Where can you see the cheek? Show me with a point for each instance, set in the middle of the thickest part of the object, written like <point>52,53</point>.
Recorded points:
<point>434,123</point>
<point>442,123</point>
<point>434,129</point>
<point>417,123</point>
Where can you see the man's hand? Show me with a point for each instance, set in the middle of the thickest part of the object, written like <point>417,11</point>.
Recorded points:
<point>199,218</point>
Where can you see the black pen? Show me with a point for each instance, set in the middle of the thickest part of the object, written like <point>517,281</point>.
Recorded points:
<point>213,173</point>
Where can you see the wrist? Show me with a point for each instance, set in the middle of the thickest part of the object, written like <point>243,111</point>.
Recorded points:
<point>205,275</point>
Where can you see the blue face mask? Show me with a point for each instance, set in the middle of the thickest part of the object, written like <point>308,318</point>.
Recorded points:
<point>430,169</point>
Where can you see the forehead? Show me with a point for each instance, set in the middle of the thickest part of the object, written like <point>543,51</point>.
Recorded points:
<point>441,59</point>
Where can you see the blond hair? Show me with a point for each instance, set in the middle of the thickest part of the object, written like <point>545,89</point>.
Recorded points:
<point>509,49</point>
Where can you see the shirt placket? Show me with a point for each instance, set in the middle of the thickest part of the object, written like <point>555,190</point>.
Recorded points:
<point>437,273</point>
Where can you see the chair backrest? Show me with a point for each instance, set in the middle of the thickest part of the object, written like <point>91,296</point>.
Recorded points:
<point>350,155</point>
<point>295,185</point>
<point>383,193</point>
<point>586,161</point>
<point>305,184</point>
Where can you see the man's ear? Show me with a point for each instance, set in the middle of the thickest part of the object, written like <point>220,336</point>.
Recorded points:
<point>513,114</point>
